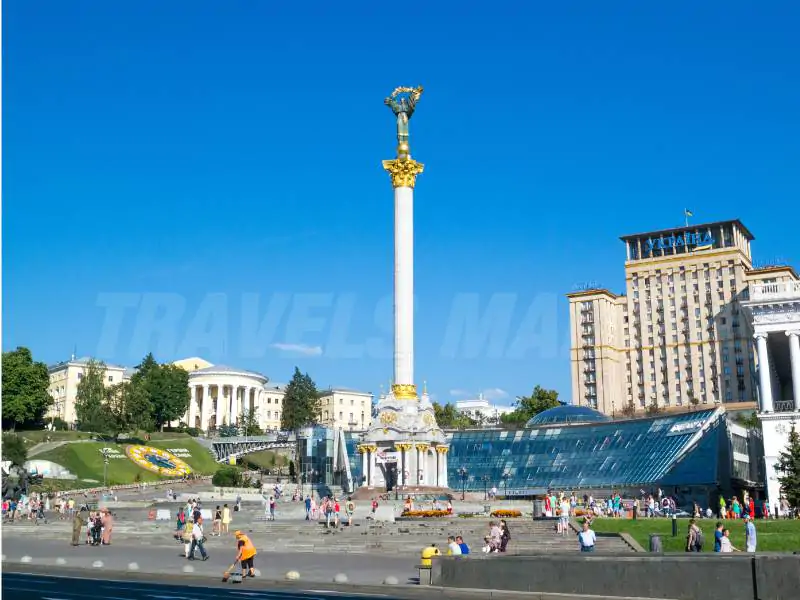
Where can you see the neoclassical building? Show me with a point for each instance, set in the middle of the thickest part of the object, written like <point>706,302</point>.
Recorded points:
<point>775,311</point>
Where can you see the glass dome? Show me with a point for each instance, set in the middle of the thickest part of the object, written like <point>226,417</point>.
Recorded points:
<point>567,415</point>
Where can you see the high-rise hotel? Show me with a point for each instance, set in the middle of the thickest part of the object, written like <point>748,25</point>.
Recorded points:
<point>678,336</point>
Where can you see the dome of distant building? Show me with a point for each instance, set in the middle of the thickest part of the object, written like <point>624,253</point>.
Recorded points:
<point>567,415</point>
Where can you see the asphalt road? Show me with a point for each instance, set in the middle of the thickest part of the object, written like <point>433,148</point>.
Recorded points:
<point>363,569</point>
<point>17,586</point>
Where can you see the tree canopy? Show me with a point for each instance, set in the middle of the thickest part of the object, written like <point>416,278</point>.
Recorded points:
<point>127,408</point>
<point>301,402</point>
<point>526,407</point>
<point>788,467</point>
<point>25,395</point>
<point>447,417</point>
<point>166,388</point>
<point>90,399</point>
<point>14,449</point>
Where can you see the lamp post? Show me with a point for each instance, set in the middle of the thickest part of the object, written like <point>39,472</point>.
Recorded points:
<point>505,477</point>
<point>485,480</point>
<point>463,473</point>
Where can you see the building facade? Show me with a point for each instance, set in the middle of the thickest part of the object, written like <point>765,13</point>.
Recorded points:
<point>482,411</point>
<point>64,380</point>
<point>345,409</point>
<point>677,337</point>
<point>775,310</point>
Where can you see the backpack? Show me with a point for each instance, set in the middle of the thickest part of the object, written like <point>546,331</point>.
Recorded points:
<point>699,539</point>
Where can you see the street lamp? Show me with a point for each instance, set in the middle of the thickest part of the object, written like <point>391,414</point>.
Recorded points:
<point>105,467</point>
<point>463,473</point>
<point>485,480</point>
<point>505,477</point>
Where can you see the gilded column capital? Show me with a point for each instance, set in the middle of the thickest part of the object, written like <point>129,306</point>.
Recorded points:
<point>423,447</point>
<point>404,171</point>
<point>361,449</point>
<point>442,449</point>
<point>404,391</point>
<point>372,449</point>
<point>403,446</point>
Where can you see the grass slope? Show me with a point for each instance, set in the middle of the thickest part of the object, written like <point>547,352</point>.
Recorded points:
<point>773,536</point>
<point>85,461</point>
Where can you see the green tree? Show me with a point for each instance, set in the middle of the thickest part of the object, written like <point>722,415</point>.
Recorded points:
<point>248,423</point>
<point>789,468</point>
<point>653,409</point>
<point>128,408</point>
<point>90,399</point>
<point>750,421</point>
<point>301,402</point>
<point>167,389</point>
<point>526,407</point>
<point>447,417</point>
<point>14,449</point>
<point>629,410</point>
<point>25,396</point>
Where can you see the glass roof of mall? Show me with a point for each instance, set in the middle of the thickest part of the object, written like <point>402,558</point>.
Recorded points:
<point>564,455</point>
<point>567,414</point>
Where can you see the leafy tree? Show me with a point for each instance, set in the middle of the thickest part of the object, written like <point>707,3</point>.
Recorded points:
<point>527,407</point>
<point>301,402</point>
<point>629,410</point>
<point>447,417</point>
<point>750,421</point>
<point>694,401</point>
<point>228,476</point>
<point>653,409</point>
<point>248,423</point>
<point>789,468</point>
<point>14,449</point>
<point>90,398</point>
<point>128,408</point>
<point>166,387</point>
<point>25,395</point>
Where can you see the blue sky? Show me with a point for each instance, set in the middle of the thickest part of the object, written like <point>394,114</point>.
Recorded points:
<point>204,178</point>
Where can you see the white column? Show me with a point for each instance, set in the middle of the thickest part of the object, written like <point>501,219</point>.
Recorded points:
<point>205,407</point>
<point>764,376</point>
<point>192,413</point>
<point>438,468</point>
<point>221,407</point>
<point>794,352</point>
<point>403,285</point>
<point>444,470</point>
<point>372,465</point>
<point>401,467</point>
<point>365,466</point>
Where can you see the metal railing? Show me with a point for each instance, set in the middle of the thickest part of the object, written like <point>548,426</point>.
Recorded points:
<point>784,406</point>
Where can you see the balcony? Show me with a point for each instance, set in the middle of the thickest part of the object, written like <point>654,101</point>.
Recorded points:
<point>784,405</point>
<point>782,290</point>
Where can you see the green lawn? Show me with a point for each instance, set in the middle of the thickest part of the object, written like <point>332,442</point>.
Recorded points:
<point>39,435</point>
<point>85,461</point>
<point>773,536</point>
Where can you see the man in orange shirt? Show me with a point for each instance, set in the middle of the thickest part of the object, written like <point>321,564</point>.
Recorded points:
<point>246,554</point>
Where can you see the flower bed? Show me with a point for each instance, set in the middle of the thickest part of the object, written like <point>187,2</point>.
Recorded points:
<point>506,514</point>
<point>424,514</point>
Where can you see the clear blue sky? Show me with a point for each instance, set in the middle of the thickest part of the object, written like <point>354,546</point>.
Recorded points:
<point>215,167</point>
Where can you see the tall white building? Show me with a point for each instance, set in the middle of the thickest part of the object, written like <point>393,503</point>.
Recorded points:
<point>677,336</point>
<point>483,411</point>
<point>346,409</point>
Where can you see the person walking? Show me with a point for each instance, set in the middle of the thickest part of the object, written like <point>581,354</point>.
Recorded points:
<point>749,534</point>
<point>349,509</point>
<point>505,535</point>
<point>216,524</point>
<point>78,521</point>
<point>308,508</point>
<point>198,540</point>
<point>107,521</point>
<point>226,518</point>
<point>587,538</point>
<point>246,553</point>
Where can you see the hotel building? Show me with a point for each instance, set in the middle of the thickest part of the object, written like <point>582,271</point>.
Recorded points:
<point>678,337</point>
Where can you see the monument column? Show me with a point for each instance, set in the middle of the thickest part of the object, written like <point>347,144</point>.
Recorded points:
<point>373,450</point>
<point>422,459</point>
<point>404,171</point>
<point>364,451</point>
<point>764,377</point>
<point>794,357</point>
<point>205,408</point>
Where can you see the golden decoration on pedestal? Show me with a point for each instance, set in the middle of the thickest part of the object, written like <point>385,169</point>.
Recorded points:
<point>442,449</point>
<point>404,171</point>
<point>428,419</point>
<point>388,418</point>
<point>423,447</point>
<point>362,449</point>
<point>404,391</point>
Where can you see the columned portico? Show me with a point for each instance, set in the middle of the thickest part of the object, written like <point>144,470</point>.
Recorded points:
<point>220,395</point>
<point>775,310</point>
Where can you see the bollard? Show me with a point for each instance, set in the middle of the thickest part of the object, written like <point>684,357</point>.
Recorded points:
<point>674,525</point>
<point>655,543</point>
